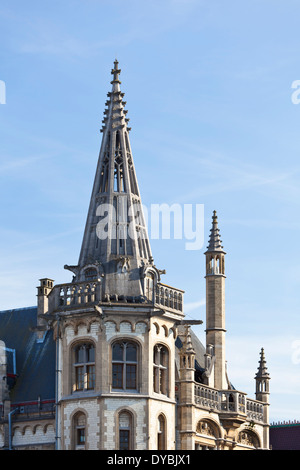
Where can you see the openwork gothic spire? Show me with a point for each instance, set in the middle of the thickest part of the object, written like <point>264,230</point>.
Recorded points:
<point>115,236</point>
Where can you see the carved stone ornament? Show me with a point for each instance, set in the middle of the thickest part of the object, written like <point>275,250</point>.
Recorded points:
<point>206,428</point>
<point>247,438</point>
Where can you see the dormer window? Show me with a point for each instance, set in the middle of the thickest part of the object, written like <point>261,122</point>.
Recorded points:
<point>90,274</point>
<point>149,286</point>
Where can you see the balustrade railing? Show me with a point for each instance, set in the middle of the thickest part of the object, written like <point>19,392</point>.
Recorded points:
<point>207,397</point>
<point>255,410</point>
<point>233,401</point>
<point>228,402</point>
<point>169,297</point>
<point>74,294</point>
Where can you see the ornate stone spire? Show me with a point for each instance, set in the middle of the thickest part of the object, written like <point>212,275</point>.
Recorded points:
<point>187,354</point>
<point>115,114</point>
<point>214,243</point>
<point>262,371</point>
<point>262,380</point>
<point>188,345</point>
<point>115,237</point>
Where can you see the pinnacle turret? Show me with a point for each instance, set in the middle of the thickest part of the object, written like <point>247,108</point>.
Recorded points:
<point>188,345</point>
<point>262,371</point>
<point>187,354</point>
<point>262,380</point>
<point>215,242</point>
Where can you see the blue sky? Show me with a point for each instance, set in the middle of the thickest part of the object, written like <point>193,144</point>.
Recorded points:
<point>208,91</point>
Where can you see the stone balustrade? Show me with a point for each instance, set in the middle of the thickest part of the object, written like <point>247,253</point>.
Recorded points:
<point>255,410</point>
<point>228,402</point>
<point>169,297</point>
<point>207,397</point>
<point>74,295</point>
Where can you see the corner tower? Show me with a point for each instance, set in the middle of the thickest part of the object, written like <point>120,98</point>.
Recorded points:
<point>215,303</point>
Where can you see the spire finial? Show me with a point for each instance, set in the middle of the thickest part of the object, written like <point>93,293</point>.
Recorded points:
<point>115,72</point>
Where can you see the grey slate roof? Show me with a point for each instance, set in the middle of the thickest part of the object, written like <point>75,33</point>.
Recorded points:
<point>35,361</point>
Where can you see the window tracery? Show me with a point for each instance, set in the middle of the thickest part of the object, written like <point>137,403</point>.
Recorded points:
<point>84,367</point>
<point>124,365</point>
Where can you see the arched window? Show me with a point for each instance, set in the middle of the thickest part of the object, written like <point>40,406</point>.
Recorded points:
<point>161,433</point>
<point>79,431</point>
<point>124,365</point>
<point>125,431</point>
<point>90,274</point>
<point>149,286</point>
<point>161,369</point>
<point>84,367</point>
<point>119,184</point>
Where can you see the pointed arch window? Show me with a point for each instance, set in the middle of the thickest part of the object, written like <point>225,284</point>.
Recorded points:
<point>132,177</point>
<point>84,367</point>
<point>161,433</point>
<point>161,369</point>
<point>79,431</point>
<point>150,286</point>
<point>119,182</point>
<point>90,274</point>
<point>103,186</point>
<point>104,177</point>
<point>125,431</point>
<point>124,365</point>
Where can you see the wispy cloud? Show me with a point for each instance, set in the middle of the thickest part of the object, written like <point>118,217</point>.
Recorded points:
<point>222,173</point>
<point>20,163</point>
<point>232,175</point>
<point>43,240</point>
<point>192,306</point>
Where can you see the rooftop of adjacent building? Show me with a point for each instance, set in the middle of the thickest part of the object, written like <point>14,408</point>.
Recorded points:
<point>285,424</point>
<point>34,374</point>
<point>285,435</point>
